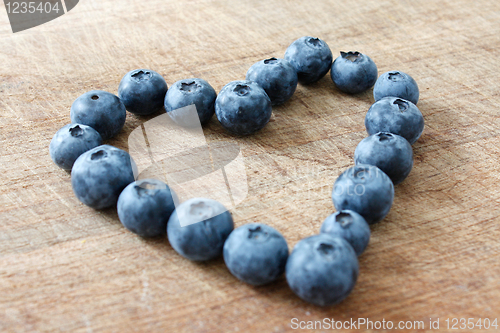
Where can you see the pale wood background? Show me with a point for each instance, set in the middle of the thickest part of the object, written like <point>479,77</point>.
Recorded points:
<point>66,267</point>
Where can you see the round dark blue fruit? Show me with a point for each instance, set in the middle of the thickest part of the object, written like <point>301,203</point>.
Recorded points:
<point>145,206</point>
<point>100,175</point>
<point>349,225</point>
<point>353,72</point>
<point>397,116</point>
<point>322,269</point>
<point>391,153</point>
<point>198,228</point>
<point>256,253</point>
<point>396,84</point>
<point>142,91</point>
<point>311,57</point>
<point>70,142</point>
<point>243,107</point>
<point>100,110</point>
<point>276,76</point>
<point>365,189</point>
<point>187,92</point>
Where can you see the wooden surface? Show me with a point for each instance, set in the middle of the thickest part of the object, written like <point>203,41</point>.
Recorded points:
<point>65,267</point>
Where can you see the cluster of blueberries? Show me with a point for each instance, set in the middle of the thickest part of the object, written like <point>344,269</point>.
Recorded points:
<point>322,269</point>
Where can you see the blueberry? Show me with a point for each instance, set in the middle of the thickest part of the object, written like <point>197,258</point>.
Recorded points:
<point>243,107</point>
<point>276,76</point>
<point>350,226</point>
<point>365,189</point>
<point>190,91</point>
<point>70,142</point>
<point>311,58</point>
<point>353,72</point>
<point>256,253</point>
<point>396,84</point>
<point>391,153</point>
<point>145,206</point>
<point>397,116</point>
<point>322,269</point>
<point>100,110</point>
<point>142,91</point>
<point>100,174</point>
<point>198,228</point>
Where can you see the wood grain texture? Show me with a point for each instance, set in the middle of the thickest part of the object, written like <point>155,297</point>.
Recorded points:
<point>66,267</point>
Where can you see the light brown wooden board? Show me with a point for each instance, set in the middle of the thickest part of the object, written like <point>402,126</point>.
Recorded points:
<point>66,267</point>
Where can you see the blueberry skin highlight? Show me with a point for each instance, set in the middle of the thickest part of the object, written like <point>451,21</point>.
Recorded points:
<point>142,91</point>
<point>353,72</point>
<point>243,107</point>
<point>396,116</point>
<point>100,110</point>
<point>202,240</point>
<point>322,269</point>
<point>100,174</point>
<point>311,58</point>
<point>277,77</point>
<point>396,84</point>
<point>256,253</point>
<point>70,142</point>
<point>391,153</point>
<point>145,206</point>
<point>350,226</point>
<point>191,91</point>
<point>365,189</point>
